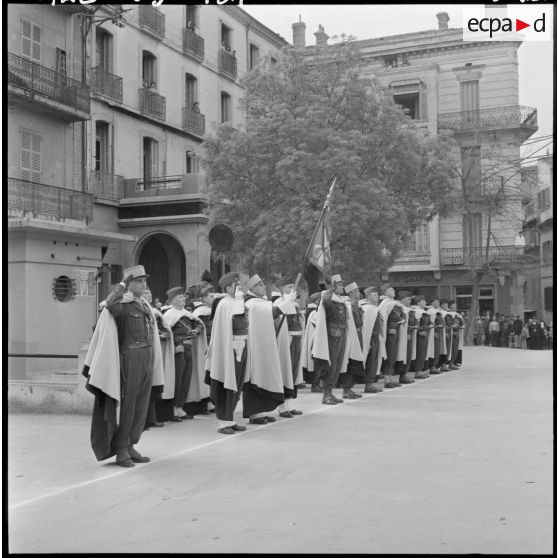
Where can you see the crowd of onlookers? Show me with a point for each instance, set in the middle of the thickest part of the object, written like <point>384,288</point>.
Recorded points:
<point>497,330</point>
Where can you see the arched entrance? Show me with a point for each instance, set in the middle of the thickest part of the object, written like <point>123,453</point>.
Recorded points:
<point>164,261</point>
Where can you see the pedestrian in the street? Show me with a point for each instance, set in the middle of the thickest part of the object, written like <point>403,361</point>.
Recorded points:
<point>494,329</point>
<point>393,316</point>
<point>226,354</point>
<point>263,389</point>
<point>371,349</point>
<point>355,368</point>
<point>120,370</point>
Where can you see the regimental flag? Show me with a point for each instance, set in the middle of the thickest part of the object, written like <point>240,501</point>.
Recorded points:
<point>320,256</point>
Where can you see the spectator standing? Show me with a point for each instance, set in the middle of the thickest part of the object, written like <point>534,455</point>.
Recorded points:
<point>493,330</point>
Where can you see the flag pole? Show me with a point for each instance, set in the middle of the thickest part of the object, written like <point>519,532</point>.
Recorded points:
<point>316,228</point>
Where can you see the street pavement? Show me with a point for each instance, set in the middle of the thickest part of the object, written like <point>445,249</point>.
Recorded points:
<point>458,463</point>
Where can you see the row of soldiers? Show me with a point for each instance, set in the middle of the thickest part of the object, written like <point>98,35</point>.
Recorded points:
<point>238,343</point>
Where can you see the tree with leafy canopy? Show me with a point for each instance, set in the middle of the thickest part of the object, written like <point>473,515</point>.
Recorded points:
<point>310,119</point>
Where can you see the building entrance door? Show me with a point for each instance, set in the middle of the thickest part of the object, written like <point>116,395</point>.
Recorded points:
<point>164,262</point>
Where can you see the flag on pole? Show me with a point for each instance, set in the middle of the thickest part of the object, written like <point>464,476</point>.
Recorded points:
<point>320,256</point>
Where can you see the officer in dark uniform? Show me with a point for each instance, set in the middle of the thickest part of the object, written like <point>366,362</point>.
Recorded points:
<point>355,368</point>
<point>336,320</point>
<point>424,326</point>
<point>136,327</point>
<point>405,297</point>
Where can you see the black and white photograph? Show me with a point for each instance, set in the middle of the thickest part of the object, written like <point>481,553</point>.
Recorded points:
<point>234,231</point>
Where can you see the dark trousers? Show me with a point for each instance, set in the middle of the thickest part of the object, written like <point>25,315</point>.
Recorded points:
<point>437,348</point>
<point>296,351</point>
<point>493,338</point>
<point>226,400</point>
<point>136,376</point>
<point>405,367</point>
<point>422,348</point>
<point>388,366</point>
<point>454,344</point>
<point>330,373</point>
<point>355,372</point>
<point>183,371</point>
<point>371,364</point>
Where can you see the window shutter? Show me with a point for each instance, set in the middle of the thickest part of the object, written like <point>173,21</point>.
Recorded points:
<point>30,159</point>
<point>30,41</point>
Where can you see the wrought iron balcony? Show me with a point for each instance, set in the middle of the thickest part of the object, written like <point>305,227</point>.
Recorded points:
<point>49,201</point>
<point>163,185</point>
<point>152,20</point>
<point>106,185</point>
<point>107,84</point>
<point>501,117</point>
<point>38,79</point>
<point>193,44</point>
<point>477,256</point>
<point>193,121</point>
<point>227,64</point>
<point>152,103</point>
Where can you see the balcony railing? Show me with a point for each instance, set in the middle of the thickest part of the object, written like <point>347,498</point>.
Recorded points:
<point>193,121</point>
<point>501,117</point>
<point>227,64</point>
<point>39,79</point>
<point>193,44</point>
<point>152,103</point>
<point>107,84</point>
<point>477,256</point>
<point>107,185</point>
<point>153,20</point>
<point>163,185</point>
<point>41,199</point>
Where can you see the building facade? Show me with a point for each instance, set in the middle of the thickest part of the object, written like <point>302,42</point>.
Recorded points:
<point>469,91</point>
<point>538,195</point>
<point>108,108</point>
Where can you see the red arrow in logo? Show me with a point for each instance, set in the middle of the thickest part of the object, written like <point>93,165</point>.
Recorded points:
<point>519,25</point>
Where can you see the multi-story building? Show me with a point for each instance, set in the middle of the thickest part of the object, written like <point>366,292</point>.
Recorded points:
<point>471,91</point>
<point>538,195</point>
<point>108,107</point>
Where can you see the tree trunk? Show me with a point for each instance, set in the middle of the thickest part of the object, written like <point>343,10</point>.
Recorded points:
<point>474,310</point>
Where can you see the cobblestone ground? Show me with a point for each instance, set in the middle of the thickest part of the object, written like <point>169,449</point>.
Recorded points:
<point>458,463</point>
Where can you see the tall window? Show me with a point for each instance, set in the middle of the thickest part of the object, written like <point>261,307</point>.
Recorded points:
<point>469,95</point>
<point>463,297</point>
<point>149,70</point>
<point>420,239</point>
<point>61,66</point>
<point>30,156</point>
<point>544,198</point>
<point>254,55</point>
<point>191,91</point>
<point>548,252</point>
<point>150,159</point>
<point>192,163</point>
<point>30,41</point>
<point>471,169</point>
<point>103,53</point>
<point>472,231</point>
<point>192,17</point>
<point>226,37</point>
<point>102,147</point>
<point>225,107</point>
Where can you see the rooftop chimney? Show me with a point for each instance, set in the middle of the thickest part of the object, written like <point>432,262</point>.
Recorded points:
<point>443,19</point>
<point>299,34</point>
<point>321,36</point>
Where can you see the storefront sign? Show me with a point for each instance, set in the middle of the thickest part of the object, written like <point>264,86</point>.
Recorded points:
<point>410,279</point>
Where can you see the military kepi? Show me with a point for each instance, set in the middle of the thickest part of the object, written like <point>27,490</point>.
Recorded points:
<point>336,279</point>
<point>136,271</point>
<point>252,282</point>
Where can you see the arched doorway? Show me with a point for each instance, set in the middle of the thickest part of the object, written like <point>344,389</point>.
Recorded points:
<point>164,261</point>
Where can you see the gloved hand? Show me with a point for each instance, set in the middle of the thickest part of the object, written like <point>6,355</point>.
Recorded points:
<point>179,349</point>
